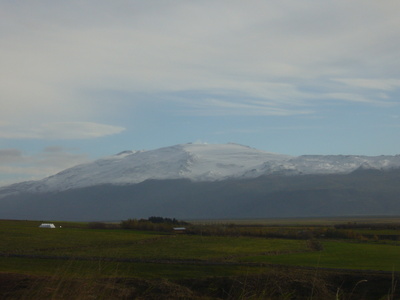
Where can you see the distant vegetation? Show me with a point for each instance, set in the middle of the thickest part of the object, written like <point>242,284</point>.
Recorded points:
<point>351,230</point>
<point>152,223</point>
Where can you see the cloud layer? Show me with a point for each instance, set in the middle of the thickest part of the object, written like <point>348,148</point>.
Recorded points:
<point>54,53</point>
<point>58,130</point>
<point>18,166</point>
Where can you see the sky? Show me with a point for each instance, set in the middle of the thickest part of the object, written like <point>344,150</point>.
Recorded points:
<point>80,80</point>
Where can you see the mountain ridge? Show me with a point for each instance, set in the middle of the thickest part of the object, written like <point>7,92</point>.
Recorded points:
<point>192,181</point>
<point>199,162</point>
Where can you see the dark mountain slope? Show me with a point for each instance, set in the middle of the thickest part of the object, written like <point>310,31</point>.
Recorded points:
<point>363,192</point>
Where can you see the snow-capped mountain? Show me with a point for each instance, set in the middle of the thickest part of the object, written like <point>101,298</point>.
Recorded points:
<point>210,181</point>
<point>198,162</point>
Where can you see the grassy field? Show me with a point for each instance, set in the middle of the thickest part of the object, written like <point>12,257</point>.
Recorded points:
<point>342,255</point>
<point>76,251</point>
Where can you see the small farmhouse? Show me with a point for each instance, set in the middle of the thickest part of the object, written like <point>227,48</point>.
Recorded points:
<point>47,225</point>
<point>179,229</point>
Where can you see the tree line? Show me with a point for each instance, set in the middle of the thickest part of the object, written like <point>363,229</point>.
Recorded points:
<point>152,223</point>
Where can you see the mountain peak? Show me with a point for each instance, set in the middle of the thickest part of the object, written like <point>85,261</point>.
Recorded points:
<point>125,152</point>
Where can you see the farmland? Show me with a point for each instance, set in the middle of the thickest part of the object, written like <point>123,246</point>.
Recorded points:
<point>292,259</point>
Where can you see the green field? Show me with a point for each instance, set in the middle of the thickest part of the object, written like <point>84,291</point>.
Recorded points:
<point>76,251</point>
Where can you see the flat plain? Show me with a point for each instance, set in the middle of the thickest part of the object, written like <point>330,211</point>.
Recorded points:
<point>315,259</point>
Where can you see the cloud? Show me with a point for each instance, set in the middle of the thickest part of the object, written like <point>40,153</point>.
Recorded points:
<point>386,84</point>
<point>244,107</point>
<point>10,155</point>
<point>17,166</point>
<point>357,98</point>
<point>59,130</point>
<point>57,56</point>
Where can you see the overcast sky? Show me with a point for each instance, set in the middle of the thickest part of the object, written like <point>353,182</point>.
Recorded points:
<point>84,79</point>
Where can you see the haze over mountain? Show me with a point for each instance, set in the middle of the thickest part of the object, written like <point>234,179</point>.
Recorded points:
<point>183,179</point>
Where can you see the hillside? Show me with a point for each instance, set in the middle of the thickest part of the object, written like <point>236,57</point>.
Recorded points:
<point>363,192</point>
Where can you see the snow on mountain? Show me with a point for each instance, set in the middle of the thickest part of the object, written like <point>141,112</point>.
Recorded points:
<point>325,164</point>
<point>198,162</point>
<point>331,164</point>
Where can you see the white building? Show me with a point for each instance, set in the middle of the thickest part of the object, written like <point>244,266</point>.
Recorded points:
<point>47,225</point>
